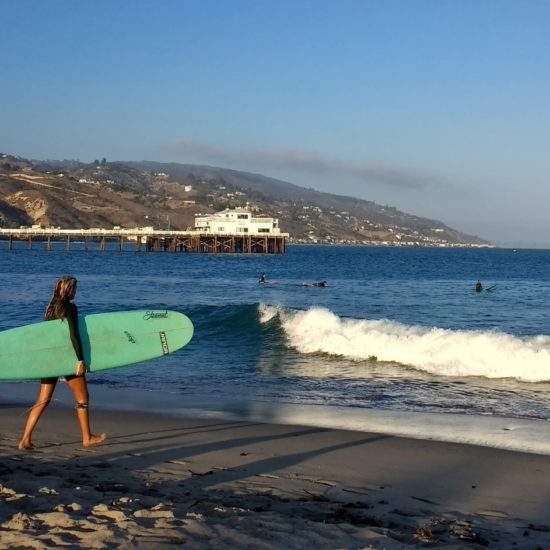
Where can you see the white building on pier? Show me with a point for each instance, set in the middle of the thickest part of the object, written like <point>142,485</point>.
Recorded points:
<point>236,222</point>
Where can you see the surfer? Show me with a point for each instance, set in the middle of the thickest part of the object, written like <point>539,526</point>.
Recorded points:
<point>262,279</point>
<point>61,307</point>
<point>320,283</point>
<point>479,286</point>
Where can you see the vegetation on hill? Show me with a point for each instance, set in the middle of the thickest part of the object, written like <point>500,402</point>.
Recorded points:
<point>168,195</point>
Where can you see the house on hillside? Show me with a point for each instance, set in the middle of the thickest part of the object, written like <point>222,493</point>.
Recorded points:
<point>233,222</point>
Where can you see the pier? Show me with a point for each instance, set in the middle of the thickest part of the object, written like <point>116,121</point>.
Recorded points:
<point>149,240</point>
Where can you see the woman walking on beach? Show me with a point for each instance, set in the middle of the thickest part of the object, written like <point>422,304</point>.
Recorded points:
<point>61,307</point>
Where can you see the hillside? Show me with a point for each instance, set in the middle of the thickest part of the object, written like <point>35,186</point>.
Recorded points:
<point>168,195</point>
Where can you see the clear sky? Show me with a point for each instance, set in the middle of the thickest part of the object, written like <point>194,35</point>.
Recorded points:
<point>439,108</point>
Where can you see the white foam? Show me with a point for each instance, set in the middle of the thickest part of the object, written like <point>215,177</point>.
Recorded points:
<point>435,350</point>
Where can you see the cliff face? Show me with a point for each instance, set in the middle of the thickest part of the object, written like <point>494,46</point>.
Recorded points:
<point>33,197</point>
<point>77,195</point>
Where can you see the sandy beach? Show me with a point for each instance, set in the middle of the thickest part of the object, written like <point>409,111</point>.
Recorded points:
<point>160,482</point>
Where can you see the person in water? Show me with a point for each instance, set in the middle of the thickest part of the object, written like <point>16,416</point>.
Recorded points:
<point>262,279</point>
<point>479,286</point>
<point>320,283</point>
<point>61,307</point>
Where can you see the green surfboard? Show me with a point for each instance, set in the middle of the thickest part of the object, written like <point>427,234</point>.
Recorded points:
<point>109,340</point>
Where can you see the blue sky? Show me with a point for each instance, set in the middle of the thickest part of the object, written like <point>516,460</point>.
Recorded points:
<point>439,108</point>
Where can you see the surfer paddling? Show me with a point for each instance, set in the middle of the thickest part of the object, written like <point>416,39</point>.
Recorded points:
<point>61,307</point>
<point>319,283</point>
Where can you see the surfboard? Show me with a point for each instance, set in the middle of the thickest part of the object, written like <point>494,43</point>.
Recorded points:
<point>109,341</point>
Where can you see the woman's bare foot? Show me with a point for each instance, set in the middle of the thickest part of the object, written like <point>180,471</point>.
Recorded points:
<point>95,440</point>
<point>25,446</point>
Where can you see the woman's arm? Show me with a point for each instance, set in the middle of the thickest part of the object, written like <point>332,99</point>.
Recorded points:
<point>71,314</point>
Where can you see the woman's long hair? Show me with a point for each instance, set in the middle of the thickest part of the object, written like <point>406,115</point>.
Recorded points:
<point>63,292</point>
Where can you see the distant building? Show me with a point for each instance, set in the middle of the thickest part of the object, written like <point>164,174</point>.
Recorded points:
<point>236,221</point>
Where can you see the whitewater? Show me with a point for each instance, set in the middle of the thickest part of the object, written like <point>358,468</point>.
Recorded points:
<point>438,351</point>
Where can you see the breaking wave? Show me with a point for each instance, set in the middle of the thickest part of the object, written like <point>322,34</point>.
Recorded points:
<point>438,351</point>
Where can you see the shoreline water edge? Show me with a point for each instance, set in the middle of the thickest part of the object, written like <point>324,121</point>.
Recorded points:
<point>507,433</point>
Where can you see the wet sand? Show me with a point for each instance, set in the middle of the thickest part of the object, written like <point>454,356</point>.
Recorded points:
<point>161,482</point>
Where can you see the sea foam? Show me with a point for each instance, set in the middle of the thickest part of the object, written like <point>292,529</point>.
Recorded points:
<point>438,351</point>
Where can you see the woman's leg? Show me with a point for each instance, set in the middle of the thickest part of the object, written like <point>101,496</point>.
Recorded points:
<point>47,388</point>
<point>79,388</point>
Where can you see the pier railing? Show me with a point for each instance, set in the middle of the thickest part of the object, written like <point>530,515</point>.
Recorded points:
<point>152,240</point>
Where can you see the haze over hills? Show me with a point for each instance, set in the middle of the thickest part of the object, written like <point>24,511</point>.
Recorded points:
<point>168,195</point>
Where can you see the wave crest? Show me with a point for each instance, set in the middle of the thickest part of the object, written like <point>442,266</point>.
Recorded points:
<point>434,350</point>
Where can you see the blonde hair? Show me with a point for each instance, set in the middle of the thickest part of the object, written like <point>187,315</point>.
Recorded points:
<point>63,292</point>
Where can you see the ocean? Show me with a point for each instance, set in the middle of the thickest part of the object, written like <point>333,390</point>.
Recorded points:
<point>398,333</point>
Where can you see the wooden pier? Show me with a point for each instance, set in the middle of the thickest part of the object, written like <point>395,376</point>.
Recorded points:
<point>149,240</point>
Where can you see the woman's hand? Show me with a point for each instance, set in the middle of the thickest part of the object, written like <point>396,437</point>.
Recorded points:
<point>81,368</point>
